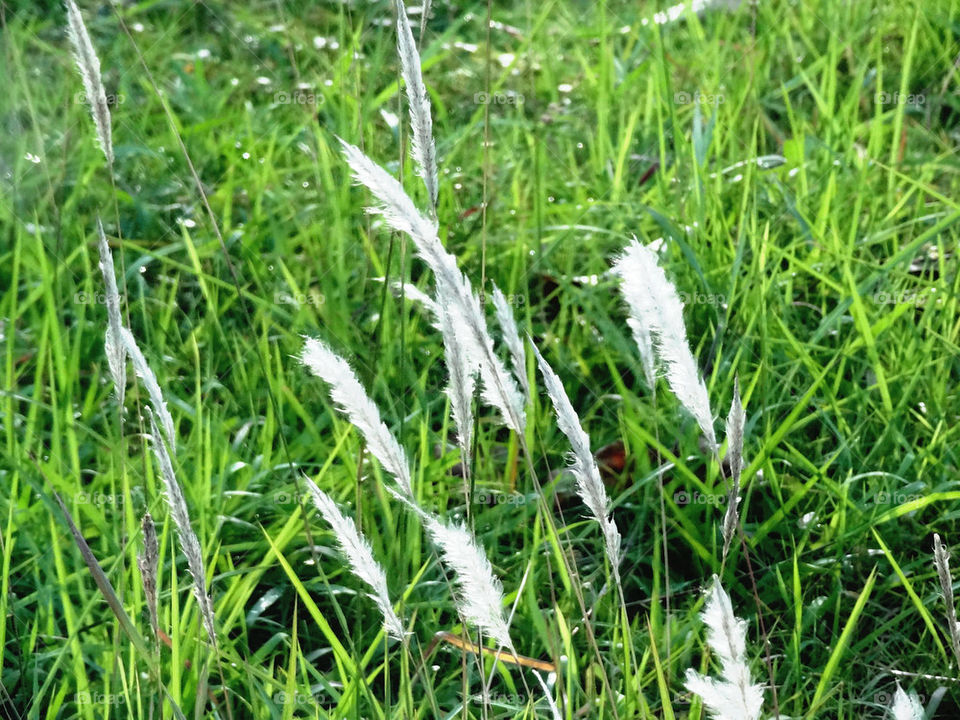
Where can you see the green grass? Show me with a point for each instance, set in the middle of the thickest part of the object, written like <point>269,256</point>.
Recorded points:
<point>828,283</point>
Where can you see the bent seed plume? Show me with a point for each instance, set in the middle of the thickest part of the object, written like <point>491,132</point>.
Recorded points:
<point>352,400</point>
<point>454,292</point>
<point>941,559</point>
<point>653,301</point>
<point>422,149</point>
<point>511,338</point>
<point>583,464</point>
<point>89,66</point>
<point>906,707</point>
<point>480,596</point>
<point>734,696</point>
<point>460,388</point>
<point>360,556</point>
<point>736,421</point>
<point>113,341</point>
<point>145,373</point>
<point>461,374</point>
<point>188,539</point>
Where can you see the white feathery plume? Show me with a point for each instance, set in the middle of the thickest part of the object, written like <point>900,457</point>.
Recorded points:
<point>462,374</point>
<point>353,401</point>
<point>511,338</point>
<point>736,421</point>
<point>145,373</point>
<point>498,388</point>
<point>113,344</point>
<point>181,518</point>
<point>424,16</point>
<point>584,466</point>
<point>734,696</point>
<point>360,556</point>
<point>422,149</point>
<point>460,388</point>
<point>480,596</point>
<point>653,301</point>
<point>906,707</point>
<point>640,330</point>
<point>401,213</point>
<point>415,294</point>
<point>454,292</point>
<point>941,559</point>
<point>89,66</point>
<point>554,710</point>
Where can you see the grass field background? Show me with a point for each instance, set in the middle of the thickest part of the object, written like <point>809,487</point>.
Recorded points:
<point>798,160</point>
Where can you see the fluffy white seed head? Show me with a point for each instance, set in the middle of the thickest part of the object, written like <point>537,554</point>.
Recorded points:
<point>941,560</point>
<point>352,400</point>
<point>734,696</point>
<point>461,386</point>
<point>113,343</point>
<point>146,375</point>
<point>736,422</point>
<point>181,518</point>
<point>653,302</point>
<point>480,596</point>
<point>413,293</point>
<point>461,373</point>
<point>423,150</point>
<point>511,338</point>
<point>89,66</point>
<point>906,707</point>
<point>454,292</point>
<point>590,485</point>
<point>360,556</point>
